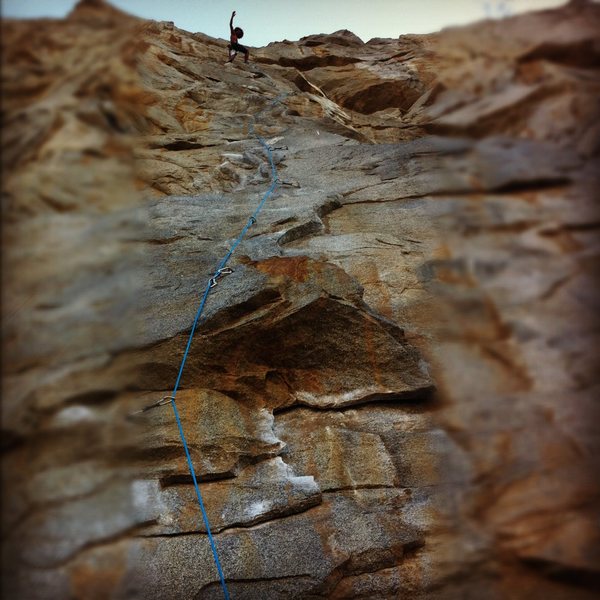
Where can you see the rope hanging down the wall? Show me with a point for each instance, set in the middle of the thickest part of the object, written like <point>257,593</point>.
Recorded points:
<point>221,270</point>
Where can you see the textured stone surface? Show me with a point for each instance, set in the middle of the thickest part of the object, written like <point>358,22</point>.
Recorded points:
<point>394,394</point>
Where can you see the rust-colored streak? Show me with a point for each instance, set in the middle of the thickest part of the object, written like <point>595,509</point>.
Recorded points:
<point>312,381</point>
<point>371,351</point>
<point>295,268</point>
<point>99,579</point>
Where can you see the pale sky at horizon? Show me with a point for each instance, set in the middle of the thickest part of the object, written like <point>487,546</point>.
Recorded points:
<point>265,21</point>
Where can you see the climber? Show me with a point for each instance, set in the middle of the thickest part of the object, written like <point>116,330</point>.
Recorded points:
<point>234,47</point>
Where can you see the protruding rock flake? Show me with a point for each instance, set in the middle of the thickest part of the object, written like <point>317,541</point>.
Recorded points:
<point>392,389</point>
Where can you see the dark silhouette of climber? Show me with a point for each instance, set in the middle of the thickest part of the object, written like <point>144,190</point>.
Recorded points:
<point>234,47</point>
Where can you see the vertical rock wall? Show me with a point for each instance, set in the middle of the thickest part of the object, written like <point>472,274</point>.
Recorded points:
<point>391,396</point>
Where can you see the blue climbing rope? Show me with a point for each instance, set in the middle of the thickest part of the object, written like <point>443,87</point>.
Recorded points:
<point>221,270</point>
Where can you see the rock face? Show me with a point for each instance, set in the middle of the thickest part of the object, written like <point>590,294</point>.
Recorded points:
<point>392,395</point>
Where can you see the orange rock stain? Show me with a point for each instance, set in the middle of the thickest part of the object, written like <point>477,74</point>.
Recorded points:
<point>295,268</point>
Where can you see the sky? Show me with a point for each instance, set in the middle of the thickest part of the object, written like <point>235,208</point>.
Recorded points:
<point>266,21</point>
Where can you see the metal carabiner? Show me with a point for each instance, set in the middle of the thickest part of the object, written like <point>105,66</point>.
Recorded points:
<point>218,273</point>
<point>164,400</point>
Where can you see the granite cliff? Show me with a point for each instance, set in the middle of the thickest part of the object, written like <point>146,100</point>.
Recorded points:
<point>393,395</point>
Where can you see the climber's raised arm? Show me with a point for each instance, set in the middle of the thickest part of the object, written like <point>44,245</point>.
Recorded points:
<point>234,46</point>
